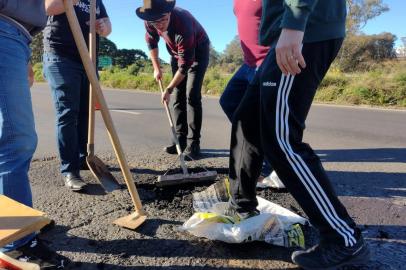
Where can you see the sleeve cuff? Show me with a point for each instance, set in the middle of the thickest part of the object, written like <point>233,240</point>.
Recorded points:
<point>295,18</point>
<point>182,70</point>
<point>152,46</point>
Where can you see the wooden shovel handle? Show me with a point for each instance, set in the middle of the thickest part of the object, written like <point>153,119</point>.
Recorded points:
<point>91,74</point>
<point>175,138</point>
<point>168,112</point>
<point>92,52</point>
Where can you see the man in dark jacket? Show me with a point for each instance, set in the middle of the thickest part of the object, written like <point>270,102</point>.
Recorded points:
<point>305,37</point>
<point>19,20</point>
<point>188,44</point>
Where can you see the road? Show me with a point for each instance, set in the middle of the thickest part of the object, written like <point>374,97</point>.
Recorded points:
<point>363,150</point>
<point>142,125</point>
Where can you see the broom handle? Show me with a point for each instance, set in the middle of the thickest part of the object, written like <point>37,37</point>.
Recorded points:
<point>92,49</point>
<point>175,138</point>
<point>91,74</point>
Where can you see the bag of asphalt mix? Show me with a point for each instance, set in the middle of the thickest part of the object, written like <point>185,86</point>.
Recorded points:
<point>275,224</point>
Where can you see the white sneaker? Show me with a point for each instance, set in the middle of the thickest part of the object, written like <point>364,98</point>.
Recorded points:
<point>271,181</point>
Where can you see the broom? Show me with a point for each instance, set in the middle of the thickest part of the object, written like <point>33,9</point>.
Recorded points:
<point>184,177</point>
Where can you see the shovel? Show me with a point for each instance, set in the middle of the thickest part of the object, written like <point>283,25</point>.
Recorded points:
<point>186,176</point>
<point>134,220</point>
<point>96,166</point>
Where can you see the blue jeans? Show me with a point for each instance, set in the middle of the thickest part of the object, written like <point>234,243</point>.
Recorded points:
<point>233,94</point>
<point>18,139</point>
<point>235,90</point>
<point>70,93</point>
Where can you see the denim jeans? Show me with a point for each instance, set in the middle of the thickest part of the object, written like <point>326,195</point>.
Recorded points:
<point>235,90</point>
<point>234,93</point>
<point>18,139</point>
<point>70,92</point>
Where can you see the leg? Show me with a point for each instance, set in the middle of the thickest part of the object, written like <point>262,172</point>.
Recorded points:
<point>266,168</point>
<point>235,90</point>
<point>65,78</point>
<point>83,118</point>
<point>18,139</point>
<point>179,107</point>
<point>232,96</point>
<point>246,151</point>
<point>194,83</point>
<point>285,103</point>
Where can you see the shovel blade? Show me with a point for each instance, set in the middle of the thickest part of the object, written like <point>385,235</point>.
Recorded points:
<point>132,221</point>
<point>102,174</point>
<point>180,178</point>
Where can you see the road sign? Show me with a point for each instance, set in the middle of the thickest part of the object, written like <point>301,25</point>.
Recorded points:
<point>105,62</point>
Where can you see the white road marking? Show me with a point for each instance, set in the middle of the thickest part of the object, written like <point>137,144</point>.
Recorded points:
<point>125,111</point>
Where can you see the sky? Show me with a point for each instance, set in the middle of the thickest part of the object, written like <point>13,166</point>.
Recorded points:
<point>218,19</point>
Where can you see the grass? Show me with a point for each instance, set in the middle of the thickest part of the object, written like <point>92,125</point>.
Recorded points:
<point>383,85</point>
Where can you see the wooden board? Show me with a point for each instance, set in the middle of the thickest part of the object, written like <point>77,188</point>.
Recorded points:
<point>18,220</point>
<point>11,264</point>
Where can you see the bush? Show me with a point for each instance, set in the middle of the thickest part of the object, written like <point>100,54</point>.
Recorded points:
<point>38,77</point>
<point>365,52</point>
<point>124,79</point>
<point>385,85</point>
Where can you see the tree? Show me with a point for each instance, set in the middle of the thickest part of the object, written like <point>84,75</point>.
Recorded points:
<point>363,51</point>
<point>107,47</point>
<point>361,11</point>
<point>401,51</point>
<point>126,57</point>
<point>121,57</point>
<point>214,57</point>
<point>233,52</point>
<point>37,49</point>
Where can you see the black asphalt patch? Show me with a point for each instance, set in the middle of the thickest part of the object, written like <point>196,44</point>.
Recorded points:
<point>85,235</point>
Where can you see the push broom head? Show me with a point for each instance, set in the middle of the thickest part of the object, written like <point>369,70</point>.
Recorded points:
<point>189,178</point>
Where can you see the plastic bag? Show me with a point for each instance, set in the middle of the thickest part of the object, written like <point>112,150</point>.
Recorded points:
<point>274,225</point>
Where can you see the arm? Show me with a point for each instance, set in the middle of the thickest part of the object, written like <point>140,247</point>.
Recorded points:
<point>154,53</point>
<point>289,47</point>
<point>56,7</point>
<point>297,13</point>
<point>103,27</point>
<point>186,52</point>
<point>103,23</point>
<point>152,39</point>
<point>177,79</point>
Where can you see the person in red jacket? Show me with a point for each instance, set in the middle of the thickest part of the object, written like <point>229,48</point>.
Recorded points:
<point>189,47</point>
<point>248,15</point>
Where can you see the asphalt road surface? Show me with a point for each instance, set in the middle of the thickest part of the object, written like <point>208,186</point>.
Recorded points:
<point>362,149</point>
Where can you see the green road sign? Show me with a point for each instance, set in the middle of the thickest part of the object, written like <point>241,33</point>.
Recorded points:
<point>105,62</point>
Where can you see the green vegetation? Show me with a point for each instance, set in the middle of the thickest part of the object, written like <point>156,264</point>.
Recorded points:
<point>366,70</point>
<point>214,83</point>
<point>38,72</point>
<point>384,85</point>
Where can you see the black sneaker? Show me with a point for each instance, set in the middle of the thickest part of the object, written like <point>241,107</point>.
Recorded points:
<point>84,166</point>
<point>48,227</point>
<point>332,255</point>
<point>236,216</point>
<point>37,252</point>
<point>74,182</point>
<point>171,149</point>
<point>192,151</point>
